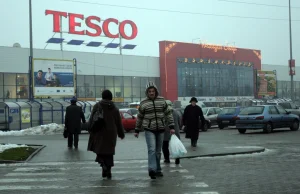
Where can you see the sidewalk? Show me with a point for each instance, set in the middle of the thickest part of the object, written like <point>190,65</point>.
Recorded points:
<point>130,148</point>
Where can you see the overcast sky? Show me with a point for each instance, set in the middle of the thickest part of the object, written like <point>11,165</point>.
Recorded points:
<point>271,36</point>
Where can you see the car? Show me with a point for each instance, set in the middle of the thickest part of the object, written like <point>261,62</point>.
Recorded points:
<point>211,113</point>
<point>128,120</point>
<point>288,106</point>
<point>266,117</point>
<point>180,111</point>
<point>132,111</point>
<point>227,116</point>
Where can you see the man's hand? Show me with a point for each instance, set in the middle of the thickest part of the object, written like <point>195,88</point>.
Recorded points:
<point>172,131</point>
<point>136,135</point>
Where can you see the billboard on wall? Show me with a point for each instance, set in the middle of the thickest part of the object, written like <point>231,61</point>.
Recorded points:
<point>25,113</point>
<point>266,83</point>
<point>52,77</point>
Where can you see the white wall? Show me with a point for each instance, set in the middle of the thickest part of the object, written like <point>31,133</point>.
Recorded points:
<point>16,60</point>
<point>282,72</point>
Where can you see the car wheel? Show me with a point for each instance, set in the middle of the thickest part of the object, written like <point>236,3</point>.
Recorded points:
<point>268,128</point>
<point>205,127</point>
<point>295,126</point>
<point>221,126</point>
<point>242,131</point>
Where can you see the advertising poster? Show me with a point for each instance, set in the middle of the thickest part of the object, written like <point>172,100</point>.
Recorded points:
<point>25,113</point>
<point>53,77</point>
<point>266,83</point>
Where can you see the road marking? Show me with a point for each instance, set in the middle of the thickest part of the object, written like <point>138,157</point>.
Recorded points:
<point>188,177</point>
<point>180,170</point>
<point>35,174</point>
<point>197,184</point>
<point>31,180</point>
<point>204,192</point>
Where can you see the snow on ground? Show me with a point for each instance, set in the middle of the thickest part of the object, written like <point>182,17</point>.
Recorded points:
<point>49,129</point>
<point>8,146</point>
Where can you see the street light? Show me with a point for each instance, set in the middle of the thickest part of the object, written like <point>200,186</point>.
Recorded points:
<point>31,53</point>
<point>291,61</point>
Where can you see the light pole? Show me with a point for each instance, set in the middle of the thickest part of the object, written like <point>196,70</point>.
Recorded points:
<point>291,53</point>
<point>31,53</point>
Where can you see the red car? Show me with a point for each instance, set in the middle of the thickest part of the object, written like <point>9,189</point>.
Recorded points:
<point>128,121</point>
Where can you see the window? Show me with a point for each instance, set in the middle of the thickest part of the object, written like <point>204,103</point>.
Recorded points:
<point>218,110</point>
<point>22,92</point>
<point>136,81</point>
<point>109,81</point>
<point>285,105</point>
<point>99,80</point>
<point>99,91</point>
<point>281,110</point>
<point>1,92</point>
<point>127,81</point>
<point>10,79</point>
<point>1,79</point>
<point>118,81</point>
<point>136,92</point>
<point>89,80</point>
<point>144,81</point>
<point>127,92</point>
<point>22,79</point>
<point>211,112</point>
<point>273,110</point>
<point>127,116</point>
<point>80,80</point>
<point>81,92</point>
<point>253,110</point>
<point>228,111</point>
<point>90,92</point>
<point>10,92</point>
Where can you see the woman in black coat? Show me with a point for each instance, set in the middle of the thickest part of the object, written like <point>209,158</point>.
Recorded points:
<point>190,118</point>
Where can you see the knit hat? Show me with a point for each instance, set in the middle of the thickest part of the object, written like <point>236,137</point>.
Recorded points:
<point>150,85</point>
<point>107,95</point>
<point>193,99</point>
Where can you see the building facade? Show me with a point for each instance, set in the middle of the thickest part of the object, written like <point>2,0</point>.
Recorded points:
<point>126,76</point>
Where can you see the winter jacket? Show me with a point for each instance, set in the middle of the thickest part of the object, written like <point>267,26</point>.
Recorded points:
<point>73,118</point>
<point>176,118</point>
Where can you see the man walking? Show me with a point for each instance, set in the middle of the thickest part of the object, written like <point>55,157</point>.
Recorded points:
<point>152,112</point>
<point>74,115</point>
<point>190,118</point>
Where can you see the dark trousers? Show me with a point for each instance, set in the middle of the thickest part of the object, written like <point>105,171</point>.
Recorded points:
<point>70,140</point>
<point>165,149</point>
<point>194,142</point>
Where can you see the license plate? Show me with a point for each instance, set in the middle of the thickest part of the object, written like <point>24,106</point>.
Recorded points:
<point>225,121</point>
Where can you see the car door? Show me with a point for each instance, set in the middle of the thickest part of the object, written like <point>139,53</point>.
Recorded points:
<point>214,117</point>
<point>275,117</point>
<point>286,120</point>
<point>211,114</point>
<point>129,120</point>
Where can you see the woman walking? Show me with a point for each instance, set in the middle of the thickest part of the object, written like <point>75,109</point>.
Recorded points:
<point>167,135</point>
<point>103,139</point>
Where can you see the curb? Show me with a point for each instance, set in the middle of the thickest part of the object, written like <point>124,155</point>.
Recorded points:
<point>226,154</point>
<point>28,158</point>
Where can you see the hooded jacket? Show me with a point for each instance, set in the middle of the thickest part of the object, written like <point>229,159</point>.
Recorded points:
<point>152,113</point>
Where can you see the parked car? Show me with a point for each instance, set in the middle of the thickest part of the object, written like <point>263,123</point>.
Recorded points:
<point>207,121</point>
<point>266,117</point>
<point>128,120</point>
<point>132,111</point>
<point>288,106</point>
<point>211,113</point>
<point>227,116</point>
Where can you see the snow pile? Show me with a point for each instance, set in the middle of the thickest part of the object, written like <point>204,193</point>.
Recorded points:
<point>8,146</point>
<point>49,129</point>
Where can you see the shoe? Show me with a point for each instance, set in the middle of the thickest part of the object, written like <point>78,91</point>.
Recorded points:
<point>167,161</point>
<point>76,147</point>
<point>152,174</point>
<point>70,147</point>
<point>109,173</point>
<point>159,174</point>
<point>177,161</point>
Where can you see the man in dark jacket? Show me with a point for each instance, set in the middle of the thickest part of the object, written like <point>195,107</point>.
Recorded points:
<point>190,118</point>
<point>74,115</point>
<point>151,115</point>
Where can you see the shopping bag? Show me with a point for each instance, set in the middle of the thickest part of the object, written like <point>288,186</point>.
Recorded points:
<point>176,147</point>
<point>66,133</point>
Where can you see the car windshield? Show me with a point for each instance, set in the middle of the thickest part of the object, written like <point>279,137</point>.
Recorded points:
<point>134,111</point>
<point>252,110</point>
<point>285,105</point>
<point>204,110</point>
<point>271,103</point>
<point>228,111</point>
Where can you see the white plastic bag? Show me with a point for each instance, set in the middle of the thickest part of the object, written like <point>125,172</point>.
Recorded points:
<point>176,147</point>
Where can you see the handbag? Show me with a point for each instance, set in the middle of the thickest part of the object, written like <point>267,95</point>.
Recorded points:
<point>66,133</point>
<point>97,120</point>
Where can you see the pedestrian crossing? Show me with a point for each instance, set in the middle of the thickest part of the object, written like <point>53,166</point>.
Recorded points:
<point>85,177</point>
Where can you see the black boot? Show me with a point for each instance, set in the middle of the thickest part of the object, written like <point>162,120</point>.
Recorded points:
<point>104,171</point>
<point>152,174</point>
<point>159,174</point>
<point>177,161</point>
<point>109,173</point>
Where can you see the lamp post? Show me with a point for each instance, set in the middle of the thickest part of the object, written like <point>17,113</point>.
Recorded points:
<point>31,53</point>
<point>291,61</point>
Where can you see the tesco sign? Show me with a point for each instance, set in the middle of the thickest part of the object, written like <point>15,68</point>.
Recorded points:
<point>92,22</point>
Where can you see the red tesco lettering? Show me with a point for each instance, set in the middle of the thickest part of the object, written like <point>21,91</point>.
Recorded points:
<point>92,22</point>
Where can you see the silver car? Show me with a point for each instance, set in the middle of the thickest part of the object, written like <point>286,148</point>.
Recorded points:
<point>211,114</point>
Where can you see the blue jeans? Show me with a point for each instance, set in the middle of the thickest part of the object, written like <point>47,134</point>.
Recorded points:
<point>154,144</point>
